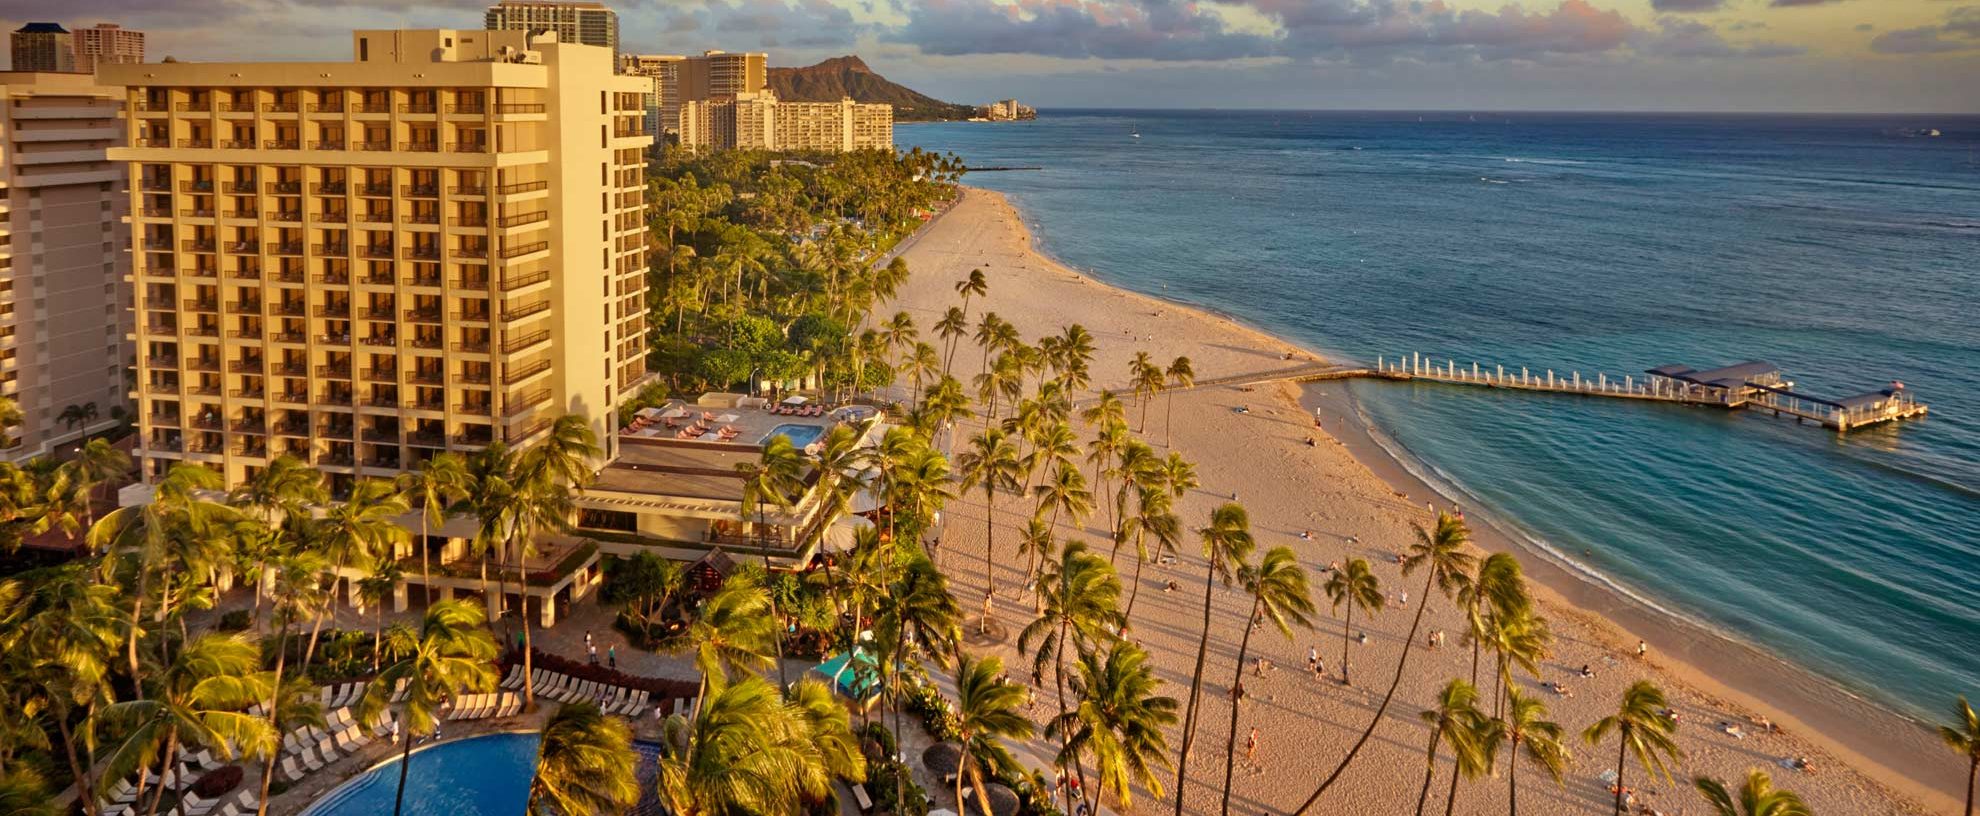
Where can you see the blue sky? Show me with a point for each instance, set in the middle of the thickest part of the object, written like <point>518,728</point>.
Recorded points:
<point>1757,55</point>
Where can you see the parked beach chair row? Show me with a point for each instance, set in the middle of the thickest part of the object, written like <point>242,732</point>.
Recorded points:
<point>123,796</point>
<point>482,706</point>
<point>310,748</point>
<point>562,688</point>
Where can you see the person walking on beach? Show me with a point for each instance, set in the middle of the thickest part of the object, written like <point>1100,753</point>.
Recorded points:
<point>587,638</point>
<point>612,657</point>
<point>1313,659</point>
<point>1642,650</point>
<point>592,653</point>
<point>1251,747</point>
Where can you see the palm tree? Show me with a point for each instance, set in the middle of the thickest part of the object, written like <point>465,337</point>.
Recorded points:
<point>1156,518</point>
<point>197,700</point>
<point>1181,374</point>
<point>918,366</point>
<point>1519,639</point>
<point>917,615</point>
<point>1441,557</point>
<point>95,463</point>
<point>1119,721</point>
<point>437,486</point>
<point>358,534</point>
<point>1641,729</point>
<point>280,497</point>
<point>1527,727</point>
<point>1454,720</point>
<point>953,325</point>
<point>1496,591</point>
<point>1279,594</point>
<point>1148,380</point>
<point>1351,586</point>
<point>451,653</point>
<point>1963,737</point>
<point>992,464</point>
<point>900,333</point>
<point>1227,543</point>
<point>1137,467</point>
<point>23,792</point>
<point>58,635</point>
<point>177,530</point>
<point>775,478</point>
<point>973,285</point>
<point>986,714</point>
<point>1079,598</point>
<point>1064,492</point>
<point>1757,797</point>
<point>584,764</point>
<point>744,750</point>
<point>733,633</point>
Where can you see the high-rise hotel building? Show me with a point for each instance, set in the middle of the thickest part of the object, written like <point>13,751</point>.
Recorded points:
<point>433,247</point>
<point>573,22</point>
<point>64,309</point>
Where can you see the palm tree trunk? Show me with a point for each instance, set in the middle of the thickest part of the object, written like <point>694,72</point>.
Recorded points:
<point>763,547</point>
<point>425,571</point>
<point>1136,591</point>
<point>1512,780</point>
<point>171,758</point>
<point>1169,421</point>
<point>1401,664</point>
<point>274,718</point>
<point>131,643</point>
<point>959,777</point>
<point>529,667</point>
<point>1195,689</point>
<point>989,546</point>
<point>1450,799</point>
<point>1059,675</point>
<point>1347,627</point>
<point>1621,749</point>
<point>1429,769</point>
<point>84,792</point>
<point>1972,768</point>
<point>1230,743</point>
<point>405,761</point>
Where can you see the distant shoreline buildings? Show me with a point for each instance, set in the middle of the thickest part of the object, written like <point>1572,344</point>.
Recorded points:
<point>722,101</point>
<point>50,48</point>
<point>1007,110</point>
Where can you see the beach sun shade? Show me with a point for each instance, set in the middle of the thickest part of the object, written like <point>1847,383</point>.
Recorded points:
<point>855,674</point>
<point>796,400</point>
<point>727,418</point>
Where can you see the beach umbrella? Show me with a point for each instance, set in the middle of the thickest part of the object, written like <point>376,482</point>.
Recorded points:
<point>943,759</point>
<point>1003,800</point>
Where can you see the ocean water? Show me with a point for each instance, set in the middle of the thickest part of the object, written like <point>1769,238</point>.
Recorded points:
<point>1845,250</point>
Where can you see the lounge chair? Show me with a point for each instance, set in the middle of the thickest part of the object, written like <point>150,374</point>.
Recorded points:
<point>229,809</point>
<point>309,759</point>
<point>514,677</point>
<point>123,791</point>
<point>339,719</point>
<point>290,771</point>
<point>511,703</point>
<point>192,805</point>
<point>638,705</point>
<point>399,690</point>
<point>248,801</point>
<point>345,742</point>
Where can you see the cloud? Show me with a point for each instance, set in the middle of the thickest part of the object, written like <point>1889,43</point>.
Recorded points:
<point>1687,5</point>
<point>1180,30</point>
<point>1689,39</point>
<point>1793,3</point>
<point>1962,24</point>
<point>758,24</point>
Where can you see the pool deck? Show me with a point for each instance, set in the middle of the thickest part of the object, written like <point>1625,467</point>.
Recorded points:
<point>753,425</point>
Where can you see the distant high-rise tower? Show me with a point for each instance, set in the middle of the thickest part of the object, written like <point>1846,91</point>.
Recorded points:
<point>107,44</point>
<point>44,47</point>
<point>663,105</point>
<point>65,311</point>
<point>582,23</point>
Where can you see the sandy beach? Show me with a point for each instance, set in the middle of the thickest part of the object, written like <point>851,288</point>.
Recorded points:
<point>1356,502</point>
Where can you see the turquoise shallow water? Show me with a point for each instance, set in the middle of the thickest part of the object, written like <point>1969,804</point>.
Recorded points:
<point>1845,250</point>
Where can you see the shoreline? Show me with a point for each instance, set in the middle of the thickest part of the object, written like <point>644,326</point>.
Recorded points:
<point>1875,741</point>
<point>1809,704</point>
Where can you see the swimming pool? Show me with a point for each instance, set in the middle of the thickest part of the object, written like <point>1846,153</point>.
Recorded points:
<point>480,776</point>
<point>800,435</point>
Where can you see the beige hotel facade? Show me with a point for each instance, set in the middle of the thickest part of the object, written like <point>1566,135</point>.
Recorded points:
<point>435,246</point>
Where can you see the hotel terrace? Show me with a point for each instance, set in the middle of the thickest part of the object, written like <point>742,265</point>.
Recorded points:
<point>362,264</point>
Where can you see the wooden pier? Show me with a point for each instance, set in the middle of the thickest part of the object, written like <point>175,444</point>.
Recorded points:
<point>1747,386</point>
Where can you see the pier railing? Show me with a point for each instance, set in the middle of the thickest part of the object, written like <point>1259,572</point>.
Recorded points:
<point>1418,367</point>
